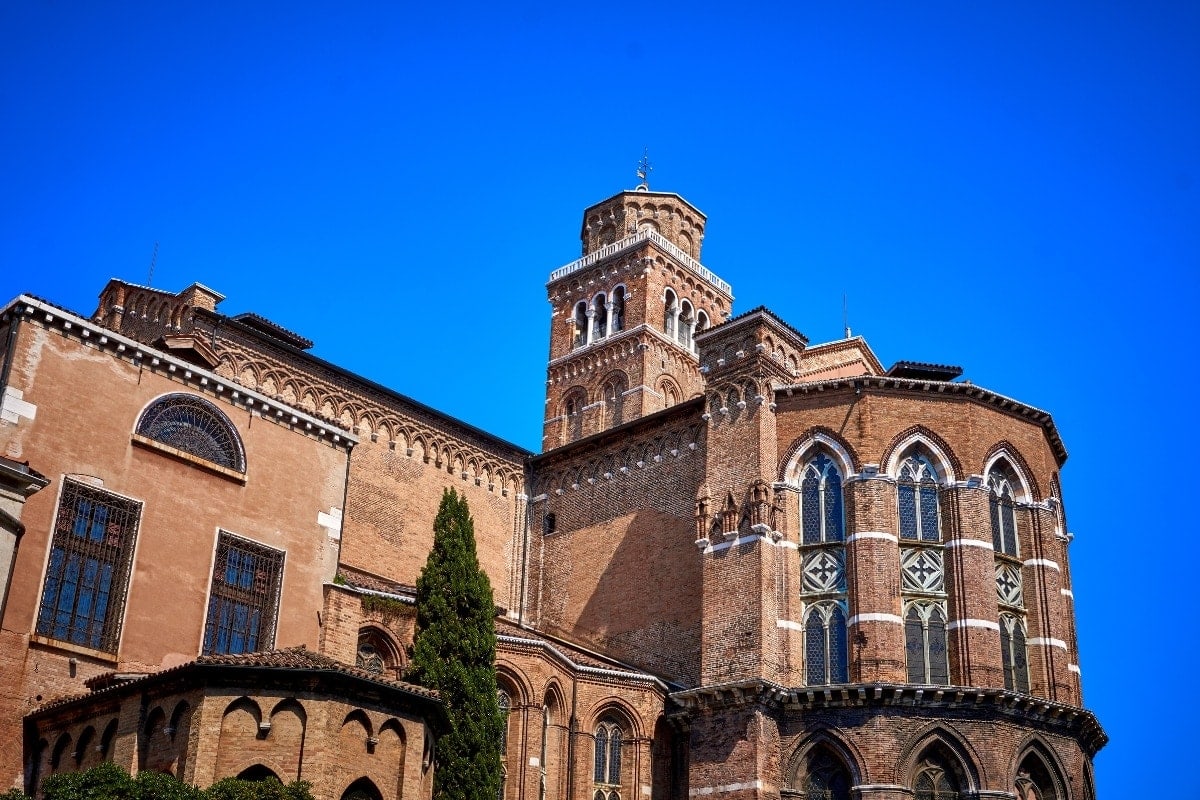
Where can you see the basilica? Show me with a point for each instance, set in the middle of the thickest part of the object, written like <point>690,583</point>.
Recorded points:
<point>743,565</point>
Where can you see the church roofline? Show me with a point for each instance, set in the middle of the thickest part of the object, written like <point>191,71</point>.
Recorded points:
<point>194,377</point>
<point>969,390</point>
<point>366,383</point>
<point>759,311</point>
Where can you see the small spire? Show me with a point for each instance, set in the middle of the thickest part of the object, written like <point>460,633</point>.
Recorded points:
<point>643,171</point>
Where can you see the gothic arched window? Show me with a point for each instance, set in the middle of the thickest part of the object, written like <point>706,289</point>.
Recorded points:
<point>670,313</point>
<point>826,777</point>
<point>1013,653</point>
<point>1002,506</point>
<point>1035,781</point>
<point>375,653</point>
<point>821,502</point>
<point>579,335</point>
<point>505,702</point>
<point>917,490</point>
<point>825,644</point>
<point>936,780</point>
<point>606,774</point>
<point>617,318</point>
<point>599,317</point>
<point>925,644</point>
<point>194,426</point>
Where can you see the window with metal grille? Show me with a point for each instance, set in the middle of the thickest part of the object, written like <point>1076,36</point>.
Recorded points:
<point>91,556</point>
<point>194,426</point>
<point>607,772</point>
<point>244,597</point>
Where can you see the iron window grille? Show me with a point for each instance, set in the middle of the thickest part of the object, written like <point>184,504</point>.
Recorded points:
<point>925,644</point>
<point>91,556</point>
<point>244,598</point>
<point>1013,653</point>
<point>827,779</point>
<point>194,426</point>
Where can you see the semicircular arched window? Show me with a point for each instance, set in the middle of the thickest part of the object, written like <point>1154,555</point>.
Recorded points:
<point>193,426</point>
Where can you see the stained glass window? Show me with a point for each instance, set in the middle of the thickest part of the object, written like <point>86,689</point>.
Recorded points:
<point>925,644</point>
<point>194,426</point>
<point>825,654</point>
<point>827,778</point>
<point>244,597</point>
<point>91,555</point>
<point>1013,653</point>
<point>821,502</point>
<point>607,772</point>
<point>918,497</point>
<point>1002,509</point>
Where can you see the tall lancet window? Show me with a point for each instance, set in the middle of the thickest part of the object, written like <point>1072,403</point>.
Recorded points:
<point>599,317</point>
<point>823,569</point>
<point>580,335</point>
<point>670,313</point>
<point>617,318</point>
<point>922,571</point>
<point>1003,487</point>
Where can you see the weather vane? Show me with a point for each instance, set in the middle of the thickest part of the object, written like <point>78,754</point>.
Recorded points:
<point>643,170</point>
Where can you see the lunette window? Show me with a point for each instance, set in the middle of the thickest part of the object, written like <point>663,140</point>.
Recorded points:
<point>244,598</point>
<point>194,426</point>
<point>91,555</point>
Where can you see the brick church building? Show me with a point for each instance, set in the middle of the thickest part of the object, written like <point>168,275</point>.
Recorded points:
<point>743,565</point>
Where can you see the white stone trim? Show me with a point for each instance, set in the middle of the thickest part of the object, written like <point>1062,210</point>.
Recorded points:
<point>895,619</point>
<point>973,623</point>
<point>13,407</point>
<point>1067,593</point>
<point>1043,562</point>
<point>754,537</point>
<point>1073,668</point>
<point>1048,642</point>
<point>980,543</point>
<point>332,522</point>
<point>787,623</point>
<point>890,537</point>
<point>729,787</point>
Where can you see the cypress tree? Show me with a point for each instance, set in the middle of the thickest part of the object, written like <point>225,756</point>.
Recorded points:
<point>454,652</point>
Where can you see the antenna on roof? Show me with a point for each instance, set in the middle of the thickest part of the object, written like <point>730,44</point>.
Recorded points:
<point>845,316</point>
<point>643,171</point>
<point>153,261</point>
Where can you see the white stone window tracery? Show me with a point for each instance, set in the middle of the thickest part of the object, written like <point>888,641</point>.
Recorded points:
<point>606,773</point>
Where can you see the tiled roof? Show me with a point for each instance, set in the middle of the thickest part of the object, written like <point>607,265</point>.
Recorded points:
<point>265,326</point>
<point>576,656</point>
<point>924,370</point>
<point>757,310</point>
<point>299,659</point>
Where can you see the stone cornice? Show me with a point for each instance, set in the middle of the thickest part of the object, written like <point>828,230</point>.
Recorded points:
<point>90,334</point>
<point>966,390</point>
<point>1072,720</point>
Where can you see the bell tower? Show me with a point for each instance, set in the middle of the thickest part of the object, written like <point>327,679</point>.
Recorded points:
<point>625,315</point>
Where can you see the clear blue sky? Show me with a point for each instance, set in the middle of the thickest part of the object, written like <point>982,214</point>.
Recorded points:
<point>1012,187</point>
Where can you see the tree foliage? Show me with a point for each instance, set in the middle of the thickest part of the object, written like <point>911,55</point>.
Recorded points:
<point>107,781</point>
<point>455,651</point>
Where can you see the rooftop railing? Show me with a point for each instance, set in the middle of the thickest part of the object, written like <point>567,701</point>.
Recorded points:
<point>635,239</point>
